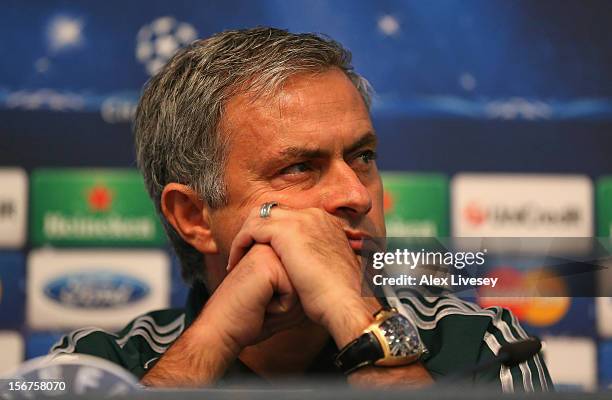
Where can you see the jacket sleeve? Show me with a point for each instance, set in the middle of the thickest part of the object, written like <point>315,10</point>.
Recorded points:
<point>136,348</point>
<point>460,335</point>
<point>529,376</point>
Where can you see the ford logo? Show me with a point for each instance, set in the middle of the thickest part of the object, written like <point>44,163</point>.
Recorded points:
<point>96,289</point>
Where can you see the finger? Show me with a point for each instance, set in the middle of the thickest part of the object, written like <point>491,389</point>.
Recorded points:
<point>244,239</point>
<point>264,263</point>
<point>255,230</point>
<point>240,246</point>
<point>242,243</point>
<point>285,296</point>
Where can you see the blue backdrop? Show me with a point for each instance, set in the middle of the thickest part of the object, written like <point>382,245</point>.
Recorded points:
<point>462,84</point>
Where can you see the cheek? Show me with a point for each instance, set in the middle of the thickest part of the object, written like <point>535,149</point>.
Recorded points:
<point>225,224</point>
<point>378,212</point>
<point>227,221</point>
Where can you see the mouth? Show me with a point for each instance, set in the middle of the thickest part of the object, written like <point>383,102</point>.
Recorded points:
<point>357,239</point>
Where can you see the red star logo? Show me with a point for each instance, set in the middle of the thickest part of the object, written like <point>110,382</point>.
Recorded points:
<point>387,201</point>
<point>100,198</point>
<point>475,214</point>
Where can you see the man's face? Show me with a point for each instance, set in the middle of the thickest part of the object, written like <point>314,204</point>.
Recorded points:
<point>311,145</point>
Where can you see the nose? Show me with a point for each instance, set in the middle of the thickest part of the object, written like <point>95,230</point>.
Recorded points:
<point>345,192</point>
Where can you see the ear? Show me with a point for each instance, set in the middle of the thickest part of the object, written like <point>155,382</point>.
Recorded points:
<point>189,216</point>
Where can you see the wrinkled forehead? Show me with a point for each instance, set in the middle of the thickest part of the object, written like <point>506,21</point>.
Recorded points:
<point>302,109</point>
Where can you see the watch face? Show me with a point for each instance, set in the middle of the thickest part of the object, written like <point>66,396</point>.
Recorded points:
<point>401,336</point>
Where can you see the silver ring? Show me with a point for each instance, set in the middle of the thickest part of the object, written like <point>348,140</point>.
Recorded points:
<point>266,208</point>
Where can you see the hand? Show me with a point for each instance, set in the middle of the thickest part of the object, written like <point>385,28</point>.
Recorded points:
<point>253,302</point>
<point>314,249</point>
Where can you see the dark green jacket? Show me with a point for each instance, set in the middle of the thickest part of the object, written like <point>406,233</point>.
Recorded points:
<point>457,334</point>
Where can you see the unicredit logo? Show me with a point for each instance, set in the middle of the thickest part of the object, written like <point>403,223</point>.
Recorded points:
<point>96,289</point>
<point>522,214</point>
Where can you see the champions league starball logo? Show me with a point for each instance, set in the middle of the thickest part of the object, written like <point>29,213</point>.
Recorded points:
<point>81,374</point>
<point>158,41</point>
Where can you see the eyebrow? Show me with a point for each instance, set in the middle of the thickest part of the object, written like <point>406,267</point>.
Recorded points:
<point>367,139</point>
<point>294,152</point>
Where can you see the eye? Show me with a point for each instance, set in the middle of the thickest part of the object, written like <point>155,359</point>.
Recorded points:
<point>296,169</point>
<point>367,156</point>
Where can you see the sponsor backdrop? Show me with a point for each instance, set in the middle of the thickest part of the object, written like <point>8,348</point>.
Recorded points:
<point>67,288</point>
<point>83,208</point>
<point>494,120</point>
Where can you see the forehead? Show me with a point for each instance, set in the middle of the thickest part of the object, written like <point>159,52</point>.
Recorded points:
<point>310,109</point>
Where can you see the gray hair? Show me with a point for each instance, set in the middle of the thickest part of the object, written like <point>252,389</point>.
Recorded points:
<point>177,120</point>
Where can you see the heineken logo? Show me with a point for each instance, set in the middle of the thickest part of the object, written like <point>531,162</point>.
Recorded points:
<point>60,226</point>
<point>92,207</point>
<point>415,204</point>
<point>99,199</point>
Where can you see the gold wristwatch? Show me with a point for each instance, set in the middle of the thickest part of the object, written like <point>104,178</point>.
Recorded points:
<point>391,340</point>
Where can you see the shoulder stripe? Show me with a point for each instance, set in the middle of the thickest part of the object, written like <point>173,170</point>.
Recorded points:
<point>162,334</point>
<point>433,311</point>
<point>506,331</point>
<point>73,338</point>
<point>538,363</point>
<point>144,326</point>
<point>505,376</point>
<point>147,337</point>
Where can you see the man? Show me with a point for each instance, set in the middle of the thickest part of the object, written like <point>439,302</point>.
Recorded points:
<point>258,150</point>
